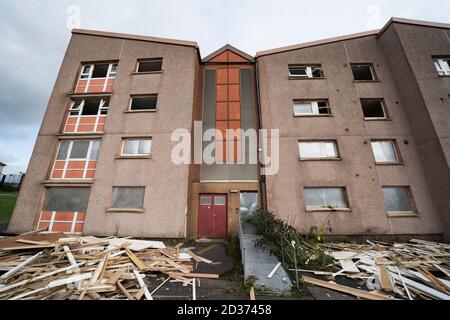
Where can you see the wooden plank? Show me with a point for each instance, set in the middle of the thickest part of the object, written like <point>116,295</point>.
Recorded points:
<point>141,282</point>
<point>340,288</point>
<point>20,266</point>
<point>385,280</point>
<point>196,275</point>
<point>275,269</point>
<point>198,258</point>
<point>441,285</point>
<point>116,276</point>
<point>194,292</point>
<point>139,294</point>
<point>252,294</point>
<point>138,262</point>
<point>422,288</point>
<point>124,291</point>
<point>206,249</point>
<point>72,279</point>
<point>70,256</point>
<point>38,243</point>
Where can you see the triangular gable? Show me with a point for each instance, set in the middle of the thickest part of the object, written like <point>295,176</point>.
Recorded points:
<point>228,54</point>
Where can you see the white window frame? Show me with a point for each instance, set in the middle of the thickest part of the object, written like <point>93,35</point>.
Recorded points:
<point>136,154</point>
<point>396,151</point>
<point>148,60</point>
<point>314,108</point>
<point>68,159</point>
<point>383,107</point>
<point>322,147</point>
<point>109,75</point>
<point>99,114</point>
<point>325,207</point>
<point>308,71</point>
<point>371,68</point>
<point>442,66</point>
<point>143,96</point>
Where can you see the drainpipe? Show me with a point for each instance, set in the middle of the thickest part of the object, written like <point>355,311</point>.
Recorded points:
<point>262,178</point>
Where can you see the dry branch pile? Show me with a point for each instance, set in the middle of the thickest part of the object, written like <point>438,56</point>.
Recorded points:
<point>52,266</point>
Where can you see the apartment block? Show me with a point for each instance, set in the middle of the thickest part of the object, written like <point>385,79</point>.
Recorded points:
<point>364,138</point>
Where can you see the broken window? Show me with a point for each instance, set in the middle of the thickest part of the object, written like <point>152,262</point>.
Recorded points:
<point>442,66</point>
<point>373,109</point>
<point>144,103</point>
<point>66,199</point>
<point>309,108</point>
<point>128,197</point>
<point>325,198</point>
<point>89,107</point>
<point>385,151</point>
<point>305,71</point>
<point>363,72</point>
<point>100,70</point>
<point>398,199</point>
<point>151,65</point>
<point>136,147</point>
<point>318,150</point>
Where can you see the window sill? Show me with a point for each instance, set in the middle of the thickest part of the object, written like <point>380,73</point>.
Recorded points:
<point>320,159</point>
<point>142,111</point>
<point>146,72</point>
<point>53,182</point>
<point>90,94</point>
<point>124,210</point>
<point>313,116</point>
<point>79,135</point>
<point>411,214</point>
<point>132,157</point>
<point>365,81</point>
<point>328,210</point>
<point>305,78</point>
<point>377,119</point>
<point>390,163</point>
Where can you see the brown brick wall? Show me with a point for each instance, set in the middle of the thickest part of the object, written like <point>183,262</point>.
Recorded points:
<point>233,204</point>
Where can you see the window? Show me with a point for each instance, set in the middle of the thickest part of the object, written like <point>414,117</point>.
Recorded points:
<point>219,200</point>
<point>89,107</point>
<point>66,199</point>
<point>385,151</point>
<point>80,150</point>
<point>325,198</point>
<point>398,199</point>
<point>442,66</point>
<point>318,150</point>
<point>373,109</point>
<point>128,197</point>
<point>311,108</point>
<point>363,72</point>
<point>151,65</point>
<point>144,103</point>
<point>136,147</point>
<point>101,70</point>
<point>205,200</point>
<point>304,71</point>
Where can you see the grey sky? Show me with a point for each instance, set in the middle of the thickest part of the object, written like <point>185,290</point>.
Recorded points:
<point>34,35</point>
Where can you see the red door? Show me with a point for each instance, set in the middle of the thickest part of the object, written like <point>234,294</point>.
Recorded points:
<point>212,216</point>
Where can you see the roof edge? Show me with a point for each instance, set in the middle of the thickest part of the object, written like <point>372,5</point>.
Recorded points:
<point>231,48</point>
<point>378,33</point>
<point>135,37</point>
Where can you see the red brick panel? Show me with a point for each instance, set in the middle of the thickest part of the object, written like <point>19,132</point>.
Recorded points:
<point>69,222</point>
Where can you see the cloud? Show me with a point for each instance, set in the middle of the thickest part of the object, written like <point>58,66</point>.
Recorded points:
<point>34,36</point>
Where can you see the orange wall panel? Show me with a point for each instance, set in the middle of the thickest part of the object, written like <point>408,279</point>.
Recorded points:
<point>234,92</point>
<point>222,111</point>
<point>222,92</point>
<point>234,111</point>
<point>234,75</point>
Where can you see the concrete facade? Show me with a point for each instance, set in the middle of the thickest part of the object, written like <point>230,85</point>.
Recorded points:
<point>415,96</point>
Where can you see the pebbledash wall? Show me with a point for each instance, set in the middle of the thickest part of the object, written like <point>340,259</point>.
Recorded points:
<point>415,97</point>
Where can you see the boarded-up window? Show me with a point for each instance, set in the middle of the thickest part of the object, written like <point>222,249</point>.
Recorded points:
<point>66,199</point>
<point>128,197</point>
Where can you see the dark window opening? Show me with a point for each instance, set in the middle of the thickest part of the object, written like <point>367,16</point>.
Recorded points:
<point>100,71</point>
<point>144,103</point>
<point>363,72</point>
<point>312,71</point>
<point>91,107</point>
<point>373,109</point>
<point>150,65</point>
<point>79,150</point>
<point>323,107</point>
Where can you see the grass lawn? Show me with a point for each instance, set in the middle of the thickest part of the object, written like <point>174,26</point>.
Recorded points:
<point>7,204</point>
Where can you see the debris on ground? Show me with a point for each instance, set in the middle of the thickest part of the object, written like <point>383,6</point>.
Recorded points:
<point>416,270</point>
<point>53,266</point>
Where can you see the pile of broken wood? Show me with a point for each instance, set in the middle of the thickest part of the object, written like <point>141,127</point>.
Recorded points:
<point>415,270</point>
<point>48,266</point>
